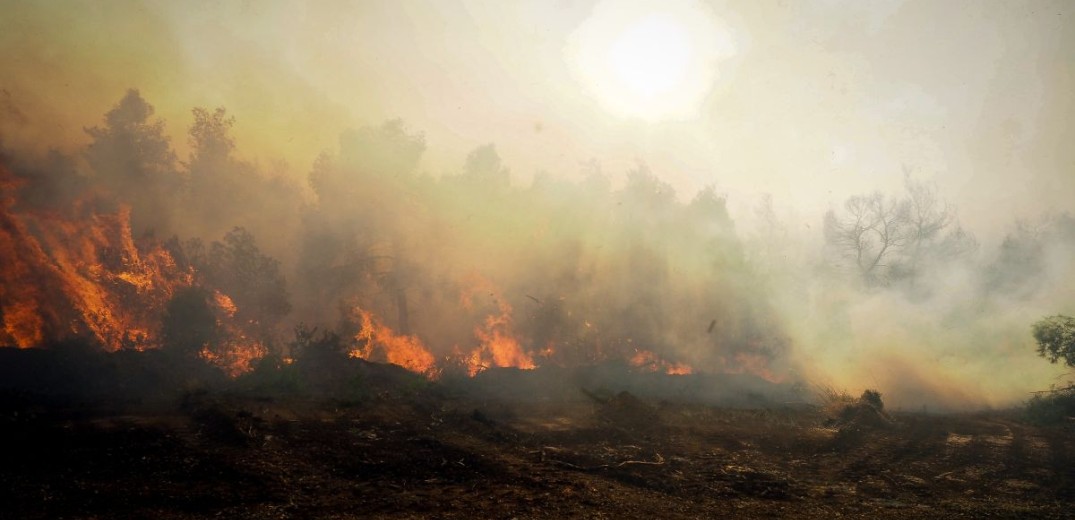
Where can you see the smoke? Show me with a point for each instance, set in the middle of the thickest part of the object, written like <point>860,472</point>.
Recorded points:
<point>420,226</point>
<point>577,270</point>
<point>470,266</point>
<point>934,326</point>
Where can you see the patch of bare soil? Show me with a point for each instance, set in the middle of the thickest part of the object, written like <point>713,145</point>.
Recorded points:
<point>431,454</point>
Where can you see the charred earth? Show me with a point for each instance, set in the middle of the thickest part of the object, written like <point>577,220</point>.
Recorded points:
<point>139,434</point>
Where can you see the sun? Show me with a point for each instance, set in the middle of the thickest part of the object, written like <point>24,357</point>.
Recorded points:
<point>651,62</point>
<point>651,58</point>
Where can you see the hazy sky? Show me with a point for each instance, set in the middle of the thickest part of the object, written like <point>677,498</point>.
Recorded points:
<point>809,101</point>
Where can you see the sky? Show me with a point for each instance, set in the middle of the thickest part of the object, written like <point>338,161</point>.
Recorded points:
<point>808,101</point>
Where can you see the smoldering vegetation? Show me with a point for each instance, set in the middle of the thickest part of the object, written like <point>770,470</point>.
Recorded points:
<point>468,267</point>
<point>125,245</point>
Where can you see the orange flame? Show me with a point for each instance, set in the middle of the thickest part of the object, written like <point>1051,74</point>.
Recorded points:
<point>235,357</point>
<point>236,354</point>
<point>498,346</point>
<point>80,276</point>
<point>651,362</point>
<point>405,351</point>
<point>85,276</point>
<point>23,323</point>
<point>225,304</point>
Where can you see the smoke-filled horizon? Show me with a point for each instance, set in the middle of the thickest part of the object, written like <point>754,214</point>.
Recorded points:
<point>844,195</point>
<point>810,103</point>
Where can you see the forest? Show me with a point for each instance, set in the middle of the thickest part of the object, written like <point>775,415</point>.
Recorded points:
<point>127,246</point>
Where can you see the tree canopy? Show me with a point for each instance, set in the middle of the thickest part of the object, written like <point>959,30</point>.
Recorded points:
<point>1056,339</point>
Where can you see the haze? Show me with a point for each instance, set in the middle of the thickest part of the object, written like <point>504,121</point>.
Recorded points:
<point>784,109</point>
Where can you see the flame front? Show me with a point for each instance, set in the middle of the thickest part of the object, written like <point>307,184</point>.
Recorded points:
<point>498,346</point>
<point>82,275</point>
<point>406,351</point>
<point>651,362</point>
<point>72,277</point>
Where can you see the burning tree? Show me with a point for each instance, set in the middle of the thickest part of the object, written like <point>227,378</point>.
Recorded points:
<point>248,292</point>
<point>133,160</point>
<point>560,273</point>
<point>189,325</point>
<point>252,279</point>
<point>357,235</point>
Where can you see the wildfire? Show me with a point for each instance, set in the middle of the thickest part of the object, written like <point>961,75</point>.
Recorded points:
<point>235,357</point>
<point>406,351</point>
<point>235,353</point>
<point>498,345</point>
<point>23,324</point>
<point>651,362</point>
<point>82,275</point>
<point>225,303</point>
<point>79,276</point>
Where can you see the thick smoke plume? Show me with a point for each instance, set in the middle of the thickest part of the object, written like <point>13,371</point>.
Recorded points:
<point>894,293</point>
<point>123,244</point>
<point>466,270</point>
<point>915,156</point>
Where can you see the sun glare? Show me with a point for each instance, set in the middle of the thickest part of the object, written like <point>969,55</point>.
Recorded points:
<point>651,58</point>
<point>651,62</point>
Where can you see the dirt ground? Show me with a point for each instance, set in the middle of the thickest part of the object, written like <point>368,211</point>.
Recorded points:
<point>435,454</point>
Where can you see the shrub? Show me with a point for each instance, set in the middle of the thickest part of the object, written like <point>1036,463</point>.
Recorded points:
<point>1056,339</point>
<point>1051,407</point>
<point>873,398</point>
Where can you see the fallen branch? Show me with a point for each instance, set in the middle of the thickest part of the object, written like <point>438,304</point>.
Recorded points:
<point>1054,390</point>
<point>659,462</point>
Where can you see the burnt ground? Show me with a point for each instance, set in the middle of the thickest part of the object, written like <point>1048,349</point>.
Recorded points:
<point>430,452</point>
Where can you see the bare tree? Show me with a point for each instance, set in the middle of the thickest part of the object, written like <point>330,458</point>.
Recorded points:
<point>927,216</point>
<point>872,234</point>
<point>893,240</point>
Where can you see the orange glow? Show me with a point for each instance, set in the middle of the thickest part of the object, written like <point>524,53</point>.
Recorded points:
<point>408,352</point>
<point>234,357</point>
<point>80,276</point>
<point>225,303</point>
<point>679,369</point>
<point>23,324</point>
<point>236,353</point>
<point>548,352</point>
<point>22,277</point>
<point>85,276</point>
<point>497,344</point>
<point>651,362</point>
<point>754,364</point>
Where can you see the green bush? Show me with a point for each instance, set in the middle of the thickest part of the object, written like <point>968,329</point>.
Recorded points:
<point>873,398</point>
<point>1051,408</point>
<point>271,375</point>
<point>1056,339</point>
